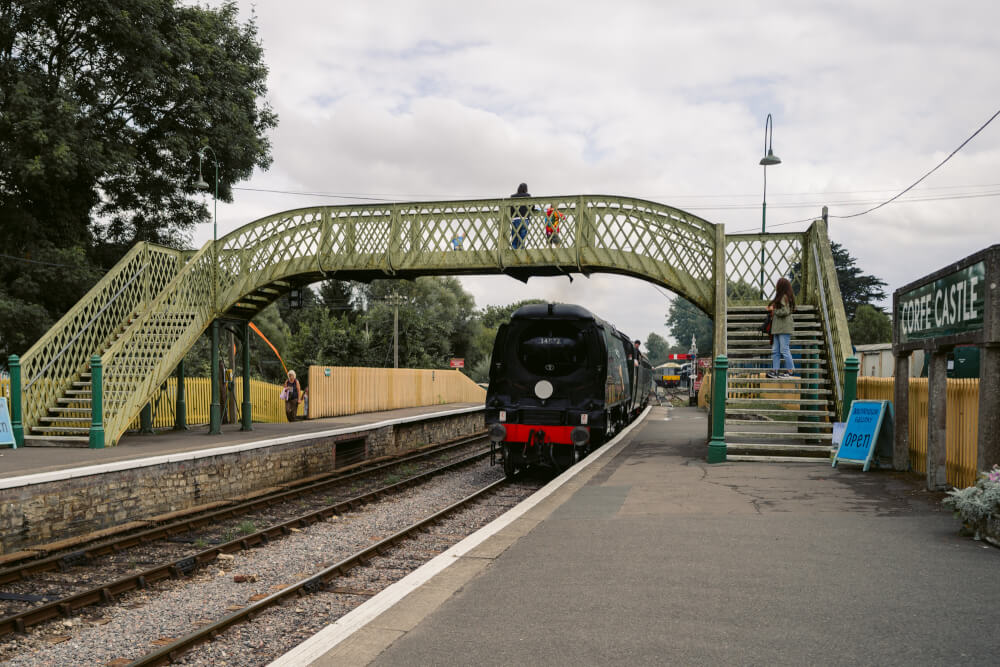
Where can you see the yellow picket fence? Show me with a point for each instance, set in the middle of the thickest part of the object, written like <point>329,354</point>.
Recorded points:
<point>961,430</point>
<point>265,405</point>
<point>347,390</point>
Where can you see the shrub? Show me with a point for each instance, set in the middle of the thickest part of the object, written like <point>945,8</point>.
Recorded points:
<point>974,504</point>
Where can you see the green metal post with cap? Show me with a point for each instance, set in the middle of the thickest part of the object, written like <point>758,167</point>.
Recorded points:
<point>16,427</point>
<point>717,445</point>
<point>96,404</point>
<point>851,366</point>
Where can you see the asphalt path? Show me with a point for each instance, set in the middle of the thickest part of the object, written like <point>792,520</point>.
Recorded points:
<point>654,557</point>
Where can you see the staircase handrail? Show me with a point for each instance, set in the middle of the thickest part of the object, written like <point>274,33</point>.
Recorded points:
<point>59,371</point>
<point>86,326</point>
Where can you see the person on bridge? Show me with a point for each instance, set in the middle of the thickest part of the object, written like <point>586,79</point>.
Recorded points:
<point>782,327</point>
<point>520,216</point>
<point>291,393</point>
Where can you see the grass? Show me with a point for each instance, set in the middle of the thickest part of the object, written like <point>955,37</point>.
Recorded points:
<point>247,528</point>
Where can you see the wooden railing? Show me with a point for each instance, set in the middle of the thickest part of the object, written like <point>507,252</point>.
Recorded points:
<point>352,390</point>
<point>961,430</point>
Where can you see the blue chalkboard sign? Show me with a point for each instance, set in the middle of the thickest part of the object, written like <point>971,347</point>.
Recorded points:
<point>6,430</point>
<point>867,432</point>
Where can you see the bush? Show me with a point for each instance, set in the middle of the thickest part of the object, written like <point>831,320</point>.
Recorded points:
<point>974,504</point>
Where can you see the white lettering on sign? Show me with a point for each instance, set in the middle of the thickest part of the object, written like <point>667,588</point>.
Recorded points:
<point>950,304</point>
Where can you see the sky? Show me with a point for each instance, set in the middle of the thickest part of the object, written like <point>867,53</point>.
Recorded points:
<point>663,100</point>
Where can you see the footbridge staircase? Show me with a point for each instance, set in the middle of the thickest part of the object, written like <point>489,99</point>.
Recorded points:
<point>142,318</point>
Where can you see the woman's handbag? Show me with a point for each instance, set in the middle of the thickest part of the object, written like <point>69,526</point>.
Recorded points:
<point>765,327</point>
<point>284,394</point>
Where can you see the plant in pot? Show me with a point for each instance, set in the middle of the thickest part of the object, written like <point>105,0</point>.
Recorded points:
<point>974,504</point>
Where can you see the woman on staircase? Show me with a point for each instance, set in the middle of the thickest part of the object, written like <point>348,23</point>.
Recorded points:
<point>782,327</point>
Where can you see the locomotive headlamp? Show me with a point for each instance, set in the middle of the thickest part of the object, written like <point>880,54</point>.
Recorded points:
<point>497,432</point>
<point>579,435</point>
<point>543,389</point>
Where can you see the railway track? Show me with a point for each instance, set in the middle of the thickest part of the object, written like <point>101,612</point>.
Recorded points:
<point>39,560</point>
<point>321,581</point>
<point>107,589</point>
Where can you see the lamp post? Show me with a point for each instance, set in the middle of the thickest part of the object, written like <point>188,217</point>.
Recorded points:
<point>769,159</point>
<point>215,410</point>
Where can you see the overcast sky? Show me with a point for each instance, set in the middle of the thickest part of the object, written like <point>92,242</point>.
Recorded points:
<point>662,100</point>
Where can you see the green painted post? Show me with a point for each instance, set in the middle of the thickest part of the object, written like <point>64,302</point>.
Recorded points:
<point>96,404</point>
<point>180,406</point>
<point>215,410</point>
<point>717,445</point>
<point>246,412</point>
<point>851,366</point>
<point>17,428</point>
<point>146,419</point>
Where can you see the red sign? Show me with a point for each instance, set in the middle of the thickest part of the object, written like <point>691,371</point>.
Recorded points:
<point>678,356</point>
<point>457,363</point>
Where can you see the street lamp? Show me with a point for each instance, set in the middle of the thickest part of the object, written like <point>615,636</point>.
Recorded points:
<point>215,409</point>
<point>769,159</point>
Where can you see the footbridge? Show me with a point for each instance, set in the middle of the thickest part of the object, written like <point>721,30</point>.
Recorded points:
<point>141,319</point>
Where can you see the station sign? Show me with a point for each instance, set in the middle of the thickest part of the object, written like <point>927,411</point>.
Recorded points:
<point>673,357</point>
<point>952,304</point>
<point>6,430</point>
<point>457,363</point>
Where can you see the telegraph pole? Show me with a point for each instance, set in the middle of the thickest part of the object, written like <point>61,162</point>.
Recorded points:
<point>395,300</point>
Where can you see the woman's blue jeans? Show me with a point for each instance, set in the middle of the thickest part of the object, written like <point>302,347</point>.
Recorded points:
<point>780,348</point>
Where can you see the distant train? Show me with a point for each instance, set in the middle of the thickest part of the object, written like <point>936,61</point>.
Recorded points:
<point>562,382</point>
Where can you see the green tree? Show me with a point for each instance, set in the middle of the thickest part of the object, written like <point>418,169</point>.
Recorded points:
<point>869,326</point>
<point>856,288</point>
<point>684,319</point>
<point>657,349</point>
<point>104,107</point>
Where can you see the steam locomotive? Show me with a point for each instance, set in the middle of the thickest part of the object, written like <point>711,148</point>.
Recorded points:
<point>562,382</point>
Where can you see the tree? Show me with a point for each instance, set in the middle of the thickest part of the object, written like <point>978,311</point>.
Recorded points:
<point>657,349</point>
<point>869,326</point>
<point>104,107</point>
<point>856,288</point>
<point>685,319</point>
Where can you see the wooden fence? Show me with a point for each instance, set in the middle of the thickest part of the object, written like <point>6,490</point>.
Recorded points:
<point>961,430</point>
<point>346,390</point>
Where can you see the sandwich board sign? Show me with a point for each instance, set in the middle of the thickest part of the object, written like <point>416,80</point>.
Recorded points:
<point>6,430</point>
<point>867,433</point>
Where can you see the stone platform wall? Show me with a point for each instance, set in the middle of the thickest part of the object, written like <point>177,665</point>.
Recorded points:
<point>38,514</point>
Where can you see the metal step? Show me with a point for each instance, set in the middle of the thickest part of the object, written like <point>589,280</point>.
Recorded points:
<point>777,448</point>
<point>740,402</point>
<point>762,380</point>
<point>45,430</point>
<point>66,420</point>
<point>815,424</point>
<point>778,436</point>
<point>817,413</point>
<point>55,441</point>
<point>756,458</point>
<point>776,390</point>
<point>810,371</point>
<point>805,307</point>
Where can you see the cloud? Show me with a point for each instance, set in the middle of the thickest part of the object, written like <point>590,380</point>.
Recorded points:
<point>661,100</point>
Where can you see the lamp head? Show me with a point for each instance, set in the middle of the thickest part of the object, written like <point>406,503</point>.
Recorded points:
<point>201,184</point>
<point>770,159</point>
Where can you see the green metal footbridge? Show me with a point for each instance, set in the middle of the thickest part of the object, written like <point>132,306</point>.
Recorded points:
<point>139,321</point>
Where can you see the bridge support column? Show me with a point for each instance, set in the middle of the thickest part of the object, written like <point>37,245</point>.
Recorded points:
<point>246,416</point>
<point>16,427</point>
<point>215,410</point>
<point>717,445</point>
<point>146,419</point>
<point>851,366</point>
<point>96,404</point>
<point>180,406</point>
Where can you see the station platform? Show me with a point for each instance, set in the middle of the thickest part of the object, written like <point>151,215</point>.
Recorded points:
<point>134,446</point>
<point>644,554</point>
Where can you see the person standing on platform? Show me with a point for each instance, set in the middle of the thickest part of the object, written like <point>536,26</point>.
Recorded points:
<point>520,216</point>
<point>291,393</point>
<point>782,328</point>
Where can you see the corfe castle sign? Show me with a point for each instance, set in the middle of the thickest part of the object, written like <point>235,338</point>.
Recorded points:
<point>950,305</point>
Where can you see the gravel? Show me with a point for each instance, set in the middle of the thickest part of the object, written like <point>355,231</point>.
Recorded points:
<point>128,629</point>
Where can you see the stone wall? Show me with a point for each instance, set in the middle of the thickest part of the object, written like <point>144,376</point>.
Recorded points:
<point>37,514</point>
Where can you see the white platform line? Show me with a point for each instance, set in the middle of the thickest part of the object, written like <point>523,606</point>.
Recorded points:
<point>70,473</point>
<point>316,646</point>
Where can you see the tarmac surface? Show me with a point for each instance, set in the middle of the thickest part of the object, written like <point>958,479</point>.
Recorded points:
<point>650,556</point>
<point>28,460</point>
